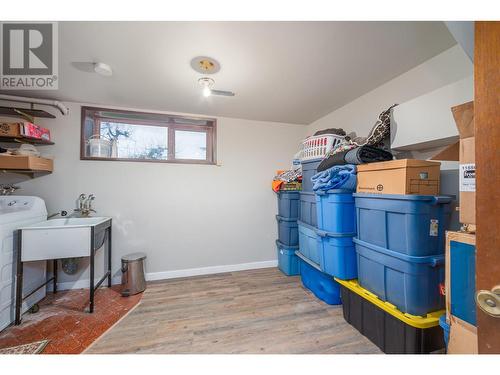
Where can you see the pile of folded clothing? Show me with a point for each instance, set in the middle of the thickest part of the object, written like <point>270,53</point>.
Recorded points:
<point>337,177</point>
<point>362,150</point>
<point>352,154</point>
<point>292,178</point>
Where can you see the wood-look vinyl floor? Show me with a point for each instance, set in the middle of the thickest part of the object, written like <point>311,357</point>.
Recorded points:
<point>256,311</point>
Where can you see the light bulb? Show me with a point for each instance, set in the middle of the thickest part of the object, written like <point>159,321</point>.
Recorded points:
<point>206,91</point>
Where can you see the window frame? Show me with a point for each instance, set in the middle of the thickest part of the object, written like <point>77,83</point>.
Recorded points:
<point>210,130</point>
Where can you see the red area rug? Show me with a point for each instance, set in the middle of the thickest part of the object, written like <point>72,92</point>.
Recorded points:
<point>62,320</point>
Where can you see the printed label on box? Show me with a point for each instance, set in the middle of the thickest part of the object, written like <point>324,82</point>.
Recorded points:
<point>468,177</point>
<point>433,228</point>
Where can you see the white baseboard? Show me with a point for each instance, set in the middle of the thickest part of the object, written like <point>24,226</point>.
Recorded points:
<point>152,276</point>
<point>164,275</point>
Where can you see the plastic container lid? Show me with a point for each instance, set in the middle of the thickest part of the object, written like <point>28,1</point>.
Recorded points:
<point>281,245</point>
<point>133,257</point>
<point>334,191</point>
<point>438,199</point>
<point>428,321</point>
<point>432,260</point>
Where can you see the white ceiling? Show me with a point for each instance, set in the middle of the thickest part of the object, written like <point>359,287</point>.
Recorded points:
<point>292,72</point>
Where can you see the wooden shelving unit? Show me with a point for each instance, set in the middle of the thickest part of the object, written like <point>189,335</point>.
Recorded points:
<point>19,165</point>
<point>33,141</point>
<point>30,173</point>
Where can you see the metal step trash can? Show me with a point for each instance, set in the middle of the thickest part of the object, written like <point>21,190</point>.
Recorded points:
<point>133,280</point>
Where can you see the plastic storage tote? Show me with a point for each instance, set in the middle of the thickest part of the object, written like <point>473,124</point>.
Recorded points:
<point>322,285</point>
<point>336,211</point>
<point>337,255</point>
<point>308,242</point>
<point>387,327</point>
<point>309,168</point>
<point>446,329</point>
<point>409,283</point>
<point>308,213</point>
<point>288,232</point>
<point>288,262</point>
<point>409,224</point>
<point>463,281</point>
<point>288,204</point>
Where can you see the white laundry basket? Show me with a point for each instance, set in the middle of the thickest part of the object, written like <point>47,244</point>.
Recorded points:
<point>318,146</point>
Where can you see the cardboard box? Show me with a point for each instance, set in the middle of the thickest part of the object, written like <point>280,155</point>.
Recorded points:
<point>463,337</point>
<point>31,130</point>
<point>405,176</point>
<point>23,162</point>
<point>464,151</point>
<point>291,186</point>
<point>10,129</point>
<point>468,238</point>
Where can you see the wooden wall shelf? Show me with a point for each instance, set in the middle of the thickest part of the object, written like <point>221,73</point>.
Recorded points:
<point>25,164</point>
<point>25,172</point>
<point>33,141</point>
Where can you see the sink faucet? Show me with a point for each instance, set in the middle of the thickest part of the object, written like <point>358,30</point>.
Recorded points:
<point>62,213</point>
<point>8,189</point>
<point>85,205</point>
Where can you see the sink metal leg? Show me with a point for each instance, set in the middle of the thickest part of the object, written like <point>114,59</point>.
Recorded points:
<point>109,256</point>
<point>54,268</point>
<point>19,283</point>
<point>92,255</point>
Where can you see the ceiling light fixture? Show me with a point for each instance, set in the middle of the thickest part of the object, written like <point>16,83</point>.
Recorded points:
<point>103,69</point>
<point>205,65</point>
<point>207,84</point>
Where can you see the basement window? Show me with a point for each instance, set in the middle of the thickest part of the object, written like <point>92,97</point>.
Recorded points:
<point>110,134</point>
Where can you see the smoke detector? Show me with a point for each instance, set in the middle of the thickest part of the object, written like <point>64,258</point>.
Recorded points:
<point>205,65</point>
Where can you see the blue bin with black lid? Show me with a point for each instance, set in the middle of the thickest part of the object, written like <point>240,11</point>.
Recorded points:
<point>335,211</point>
<point>412,225</point>
<point>410,283</point>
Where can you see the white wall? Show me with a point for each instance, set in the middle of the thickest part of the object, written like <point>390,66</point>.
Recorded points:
<point>361,114</point>
<point>182,216</point>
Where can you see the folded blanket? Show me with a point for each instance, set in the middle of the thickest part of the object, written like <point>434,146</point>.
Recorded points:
<point>366,154</point>
<point>337,177</point>
<point>358,155</point>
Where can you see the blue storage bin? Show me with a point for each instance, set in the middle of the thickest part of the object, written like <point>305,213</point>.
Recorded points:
<point>288,232</point>
<point>322,285</point>
<point>446,329</point>
<point>414,225</point>
<point>307,210</point>
<point>336,211</point>
<point>309,168</point>
<point>337,255</point>
<point>288,204</point>
<point>288,262</point>
<point>409,283</point>
<point>463,281</point>
<point>308,242</point>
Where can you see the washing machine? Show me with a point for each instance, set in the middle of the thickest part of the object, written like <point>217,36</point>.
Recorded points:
<point>16,212</point>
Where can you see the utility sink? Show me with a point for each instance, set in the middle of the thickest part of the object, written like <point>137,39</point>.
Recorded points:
<point>63,238</point>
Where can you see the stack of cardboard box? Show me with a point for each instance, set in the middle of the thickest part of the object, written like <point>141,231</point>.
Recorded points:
<point>460,246</point>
